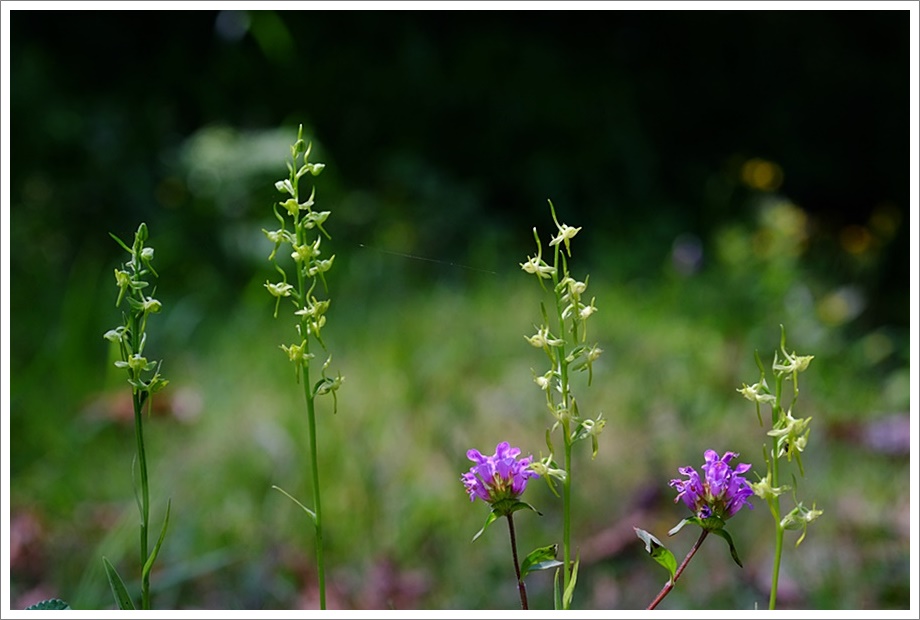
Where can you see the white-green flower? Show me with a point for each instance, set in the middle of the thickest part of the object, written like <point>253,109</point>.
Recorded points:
<point>758,393</point>
<point>566,234</point>
<point>543,468</point>
<point>116,335</point>
<point>279,289</point>
<point>764,488</point>
<point>799,518</point>
<point>135,363</point>
<point>314,308</point>
<point>543,339</point>
<point>150,306</point>
<point>588,310</point>
<point>794,363</point>
<point>321,266</point>
<point>536,265</point>
<point>305,252</point>
<point>285,186</point>
<point>544,380</point>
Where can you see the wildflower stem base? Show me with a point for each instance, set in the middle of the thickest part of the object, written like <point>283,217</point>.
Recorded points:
<point>522,589</point>
<point>680,569</point>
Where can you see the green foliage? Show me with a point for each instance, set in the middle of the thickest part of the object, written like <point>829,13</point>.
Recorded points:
<point>658,551</point>
<point>52,604</point>
<point>503,509</point>
<point>309,512</point>
<point>541,558</point>
<point>119,591</point>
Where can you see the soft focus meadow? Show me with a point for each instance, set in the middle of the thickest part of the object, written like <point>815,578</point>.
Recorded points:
<point>698,252</point>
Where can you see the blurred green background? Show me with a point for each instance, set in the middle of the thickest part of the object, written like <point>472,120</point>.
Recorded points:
<point>732,171</point>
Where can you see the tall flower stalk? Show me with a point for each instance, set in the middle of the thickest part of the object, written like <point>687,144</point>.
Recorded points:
<point>563,338</point>
<point>500,480</point>
<point>788,438</point>
<point>304,237</point>
<point>145,380</point>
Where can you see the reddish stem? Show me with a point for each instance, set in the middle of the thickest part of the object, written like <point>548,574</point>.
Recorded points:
<point>680,569</point>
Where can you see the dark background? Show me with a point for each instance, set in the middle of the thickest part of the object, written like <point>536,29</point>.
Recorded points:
<point>457,121</point>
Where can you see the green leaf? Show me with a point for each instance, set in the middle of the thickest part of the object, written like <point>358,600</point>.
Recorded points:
<point>122,598</point>
<point>305,509</point>
<point>731,545</point>
<point>541,558</point>
<point>51,603</point>
<point>148,565</point>
<point>549,441</point>
<point>659,552</point>
<point>492,517</point>
<point>710,524</point>
<point>507,507</point>
<point>570,589</point>
<point>557,593</point>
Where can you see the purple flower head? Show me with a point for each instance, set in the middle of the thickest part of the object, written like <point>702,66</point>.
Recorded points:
<point>723,491</point>
<point>498,477</point>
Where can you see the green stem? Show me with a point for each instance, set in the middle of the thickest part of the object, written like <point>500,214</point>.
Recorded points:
<point>567,515</point>
<point>311,411</point>
<point>145,496</point>
<point>775,504</point>
<point>775,509</point>
<point>522,589</point>
<point>559,262</point>
<point>138,402</point>
<point>317,506</point>
<point>776,558</point>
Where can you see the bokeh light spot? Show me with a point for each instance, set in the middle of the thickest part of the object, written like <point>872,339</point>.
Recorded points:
<point>885,219</point>
<point>762,175</point>
<point>855,239</point>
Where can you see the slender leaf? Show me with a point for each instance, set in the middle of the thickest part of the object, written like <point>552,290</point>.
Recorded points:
<point>731,545</point>
<point>148,565</point>
<point>305,509</point>
<point>709,524</point>
<point>557,593</point>
<point>570,589</point>
<point>122,598</point>
<point>492,517</point>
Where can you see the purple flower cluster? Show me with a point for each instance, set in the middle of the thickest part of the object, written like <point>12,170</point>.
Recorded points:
<point>723,491</point>
<point>498,477</point>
